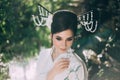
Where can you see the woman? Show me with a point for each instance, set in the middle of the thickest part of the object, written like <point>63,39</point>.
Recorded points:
<point>60,62</point>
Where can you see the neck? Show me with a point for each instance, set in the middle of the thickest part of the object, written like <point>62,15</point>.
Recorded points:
<point>55,54</point>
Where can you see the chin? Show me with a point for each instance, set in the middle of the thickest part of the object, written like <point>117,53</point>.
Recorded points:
<point>63,51</point>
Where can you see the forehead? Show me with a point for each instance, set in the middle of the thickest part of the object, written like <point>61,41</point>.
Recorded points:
<point>65,34</point>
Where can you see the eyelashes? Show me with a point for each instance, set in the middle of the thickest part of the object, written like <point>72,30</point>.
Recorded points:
<point>58,38</point>
<point>68,39</point>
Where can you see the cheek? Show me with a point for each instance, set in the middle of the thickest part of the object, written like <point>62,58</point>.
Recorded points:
<point>69,43</point>
<point>55,42</point>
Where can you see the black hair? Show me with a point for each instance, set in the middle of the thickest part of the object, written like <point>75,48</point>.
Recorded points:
<point>63,20</point>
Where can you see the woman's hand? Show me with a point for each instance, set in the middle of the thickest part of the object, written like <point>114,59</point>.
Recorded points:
<point>58,67</point>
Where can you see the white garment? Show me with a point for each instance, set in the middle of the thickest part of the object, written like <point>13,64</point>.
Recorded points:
<point>76,71</point>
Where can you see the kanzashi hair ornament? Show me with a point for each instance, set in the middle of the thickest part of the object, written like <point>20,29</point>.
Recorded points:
<point>44,18</point>
<point>88,22</point>
<point>41,18</point>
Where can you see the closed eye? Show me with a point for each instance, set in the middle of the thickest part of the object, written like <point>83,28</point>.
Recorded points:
<point>69,39</point>
<point>58,38</point>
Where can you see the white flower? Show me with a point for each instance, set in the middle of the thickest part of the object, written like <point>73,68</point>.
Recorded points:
<point>89,53</point>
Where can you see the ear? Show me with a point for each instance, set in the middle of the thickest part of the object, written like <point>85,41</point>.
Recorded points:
<point>51,36</point>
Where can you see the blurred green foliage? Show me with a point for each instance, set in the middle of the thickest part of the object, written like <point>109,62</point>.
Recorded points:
<point>20,37</point>
<point>18,34</point>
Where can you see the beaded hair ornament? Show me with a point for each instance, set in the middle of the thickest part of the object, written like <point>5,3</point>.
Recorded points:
<point>86,20</point>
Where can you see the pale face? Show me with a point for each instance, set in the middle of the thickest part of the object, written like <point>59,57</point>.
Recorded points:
<point>62,41</point>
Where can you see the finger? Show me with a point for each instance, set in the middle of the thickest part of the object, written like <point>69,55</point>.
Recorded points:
<point>63,66</point>
<point>63,60</point>
<point>63,63</point>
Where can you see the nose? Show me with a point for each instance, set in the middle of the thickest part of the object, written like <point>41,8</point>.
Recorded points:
<point>64,44</point>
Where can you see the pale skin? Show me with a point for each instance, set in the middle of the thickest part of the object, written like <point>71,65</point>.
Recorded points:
<point>62,41</point>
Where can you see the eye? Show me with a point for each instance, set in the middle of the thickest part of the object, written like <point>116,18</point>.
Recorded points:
<point>58,38</point>
<point>69,39</point>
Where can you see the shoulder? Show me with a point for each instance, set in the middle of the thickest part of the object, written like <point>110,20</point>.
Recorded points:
<point>75,55</point>
<point>77,59</point>
<point>44,52</point>
<point>82,64</point>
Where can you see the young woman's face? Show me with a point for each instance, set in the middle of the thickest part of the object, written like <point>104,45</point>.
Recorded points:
<point>63,40</point>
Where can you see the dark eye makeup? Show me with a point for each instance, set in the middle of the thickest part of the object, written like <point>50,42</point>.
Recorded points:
<point>58,38</point>
<point>68,39</point>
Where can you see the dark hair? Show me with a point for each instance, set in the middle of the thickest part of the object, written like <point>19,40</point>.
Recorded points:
<point>63,20</point>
